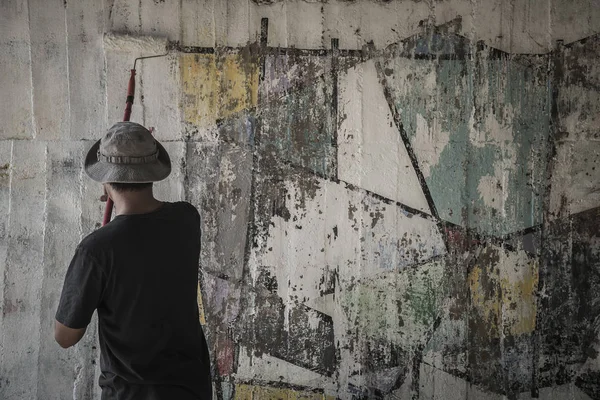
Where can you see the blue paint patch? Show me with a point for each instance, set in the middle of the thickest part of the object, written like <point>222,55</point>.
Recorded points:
<point>465,90</point>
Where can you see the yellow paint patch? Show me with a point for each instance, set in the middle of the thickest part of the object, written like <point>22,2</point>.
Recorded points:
<point>254,392</point>
<point>201,306</point>
<point>505,295</point>
<point>200,84</point>
<point>217,86</point>
<point>243,392</point>
<point>519,305</point>
<point>484,298</point>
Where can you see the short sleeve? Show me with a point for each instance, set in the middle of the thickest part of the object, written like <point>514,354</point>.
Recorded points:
<point>82,291</point>
<point>194,211</point>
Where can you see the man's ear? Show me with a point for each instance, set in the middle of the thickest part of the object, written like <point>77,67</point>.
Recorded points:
<point>107,192</point>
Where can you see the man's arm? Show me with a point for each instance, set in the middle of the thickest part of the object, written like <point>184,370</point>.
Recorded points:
<point>81,294</point>
<point>65,336</point>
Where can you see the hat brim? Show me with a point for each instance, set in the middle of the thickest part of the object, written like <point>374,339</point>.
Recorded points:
<point>104,172</point>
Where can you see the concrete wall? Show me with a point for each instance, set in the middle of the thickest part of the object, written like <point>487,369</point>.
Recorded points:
<point>400,199</point>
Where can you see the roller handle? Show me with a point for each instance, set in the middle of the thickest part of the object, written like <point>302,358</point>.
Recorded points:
<point>107,211</point>
<point>126,116</point>
<point>130,94</point>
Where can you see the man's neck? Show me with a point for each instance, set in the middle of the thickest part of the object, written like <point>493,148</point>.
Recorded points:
<point>135,203</point>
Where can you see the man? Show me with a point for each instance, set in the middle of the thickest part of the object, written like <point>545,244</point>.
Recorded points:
<point>140,272</point>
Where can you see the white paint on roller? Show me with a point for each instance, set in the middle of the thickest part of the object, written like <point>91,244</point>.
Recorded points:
<point>145,45</point>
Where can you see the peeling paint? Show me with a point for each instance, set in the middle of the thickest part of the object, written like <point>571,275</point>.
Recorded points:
<point>390,209</point>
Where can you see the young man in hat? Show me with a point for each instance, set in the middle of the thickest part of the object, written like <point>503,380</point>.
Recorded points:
<point>140,272</point>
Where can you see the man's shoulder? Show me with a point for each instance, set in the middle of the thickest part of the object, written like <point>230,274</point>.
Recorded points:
<point>103,237</point>
<point>185,207</point>
<point>97,239</point>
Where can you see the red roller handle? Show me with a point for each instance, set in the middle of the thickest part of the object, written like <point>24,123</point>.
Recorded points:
<point>130,94</point>
<point>126,116</point>
<point>107,211</point>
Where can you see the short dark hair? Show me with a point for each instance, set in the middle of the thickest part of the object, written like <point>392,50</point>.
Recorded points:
<point>129,187</point>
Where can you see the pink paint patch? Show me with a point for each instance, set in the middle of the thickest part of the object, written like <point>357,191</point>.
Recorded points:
<point>225,352</point>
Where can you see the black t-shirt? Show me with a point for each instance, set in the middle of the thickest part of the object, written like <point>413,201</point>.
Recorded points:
<point>141,273</point>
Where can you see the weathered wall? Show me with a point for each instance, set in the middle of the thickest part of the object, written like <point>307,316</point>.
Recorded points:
<point>400,199</point>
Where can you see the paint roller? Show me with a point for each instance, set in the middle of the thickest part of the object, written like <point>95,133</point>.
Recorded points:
<point>149,47</point>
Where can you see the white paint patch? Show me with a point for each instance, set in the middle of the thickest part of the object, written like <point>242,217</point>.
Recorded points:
<point>63,213</point>
<point>160,18</point>
<point>172,188</point>
<point>276,13</point>
<point>371,153</point>
<point>439,385</point>
<point>197,23</point>
<point>382,379</point>
<point>356,234</point>
<point>305,24</point>
<point>436,384</point>
<point>124,16</point>
<point>324,304</point>
<point>159,83</point>
<point>265,368</point>
<point>429,143</point>
<point>23,274</point>
<point>575,178</point>
<point>87,76</point>
<point>48,70</point>
<point>118,68</point>
<point>500,130</point>
<point>493,193</point>
<point>567,391</point>
<point>15,64</point>
<point>402,82</point>
<point>235,22</point>
<point>6,153</point>
<point>493,189</point>
<point>581,117</point>
<point>335,229</point>
<point>497,129</point>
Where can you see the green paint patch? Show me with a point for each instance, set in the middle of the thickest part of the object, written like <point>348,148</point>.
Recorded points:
<point>423,298</point>
<point>397,306</point>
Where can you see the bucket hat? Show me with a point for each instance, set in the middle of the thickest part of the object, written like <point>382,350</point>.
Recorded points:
<point>128,153</point>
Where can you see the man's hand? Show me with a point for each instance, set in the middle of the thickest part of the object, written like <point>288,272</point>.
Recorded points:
<point>65,336</point>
